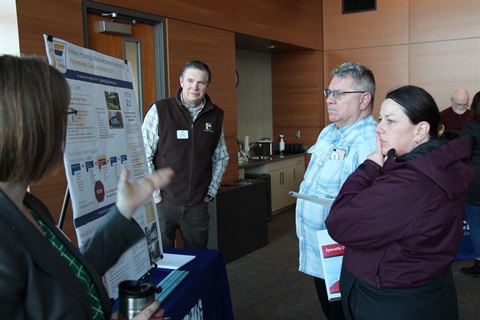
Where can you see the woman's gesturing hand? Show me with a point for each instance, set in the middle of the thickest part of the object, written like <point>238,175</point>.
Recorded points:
<point>131,195</point>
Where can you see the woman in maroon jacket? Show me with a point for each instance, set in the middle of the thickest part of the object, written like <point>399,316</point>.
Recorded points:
<point>400,214</point>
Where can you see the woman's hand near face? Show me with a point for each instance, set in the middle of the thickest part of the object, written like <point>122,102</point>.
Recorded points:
<point>131,195</point>
<point>377,156</point>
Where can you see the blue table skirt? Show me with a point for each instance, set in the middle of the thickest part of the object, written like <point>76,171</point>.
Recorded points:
<point>204,293</point>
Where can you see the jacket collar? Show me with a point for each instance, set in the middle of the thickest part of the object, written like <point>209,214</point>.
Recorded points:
<point>39,248</point>
<point>422,149</point>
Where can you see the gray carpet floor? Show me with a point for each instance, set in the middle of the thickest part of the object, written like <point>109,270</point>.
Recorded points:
<point>266,284</point>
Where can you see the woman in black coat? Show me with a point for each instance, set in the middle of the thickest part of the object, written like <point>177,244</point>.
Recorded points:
<point>42,275</point>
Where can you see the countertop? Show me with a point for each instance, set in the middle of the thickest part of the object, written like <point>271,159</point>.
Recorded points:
<point>255,162</point>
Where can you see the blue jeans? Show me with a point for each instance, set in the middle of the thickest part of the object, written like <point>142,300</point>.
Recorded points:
<point>473,217</point>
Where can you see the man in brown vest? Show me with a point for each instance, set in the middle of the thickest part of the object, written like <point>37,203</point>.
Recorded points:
<point>185,133</point>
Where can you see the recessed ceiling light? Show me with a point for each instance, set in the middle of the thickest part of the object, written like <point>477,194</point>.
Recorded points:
<point>271,47</point>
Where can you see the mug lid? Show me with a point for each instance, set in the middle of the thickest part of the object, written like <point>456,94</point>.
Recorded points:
<point>132,288</point>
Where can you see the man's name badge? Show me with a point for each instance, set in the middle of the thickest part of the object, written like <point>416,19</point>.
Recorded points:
<point>337,154</point>
<point>182,134</point>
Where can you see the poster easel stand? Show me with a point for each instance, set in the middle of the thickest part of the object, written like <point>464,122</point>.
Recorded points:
<point>66,199</point>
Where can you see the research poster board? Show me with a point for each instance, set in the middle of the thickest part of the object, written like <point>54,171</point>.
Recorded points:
<point>103,137</point>
<point>331,254</point>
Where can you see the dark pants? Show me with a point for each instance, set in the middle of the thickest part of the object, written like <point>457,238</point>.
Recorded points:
<point>192,221</point>
<point>436,299</point>
<point>332,310</point>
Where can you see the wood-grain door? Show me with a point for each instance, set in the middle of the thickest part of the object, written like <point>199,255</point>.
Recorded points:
<point>140,43</point>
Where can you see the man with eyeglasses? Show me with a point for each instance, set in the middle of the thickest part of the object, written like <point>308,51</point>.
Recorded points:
<point>458,114</point>
<point>340,148</point>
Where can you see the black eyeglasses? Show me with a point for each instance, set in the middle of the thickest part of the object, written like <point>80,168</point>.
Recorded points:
<point>338,94</point>
<point>72,111</point>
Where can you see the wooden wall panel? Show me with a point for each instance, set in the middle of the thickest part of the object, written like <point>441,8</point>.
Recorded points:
<point>444,20</point>
<point>388,64</point>
<point>213,13</point>
<point>320,25</point>
<point>232,169</point>
<point>297,96</point>
<point>296,89</point>
<point>63,20</point>
<point>441,67</point>
<point>293,22</point>
<point>388,25</point>
<point>60,19</point>
<point>187,41</point>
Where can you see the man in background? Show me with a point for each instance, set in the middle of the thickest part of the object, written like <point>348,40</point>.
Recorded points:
<point>340,148</point>
<point>185,133</point>
<point>458,114</point>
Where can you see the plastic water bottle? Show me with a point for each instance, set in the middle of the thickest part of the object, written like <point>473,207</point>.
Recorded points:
<point>282,144</point>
